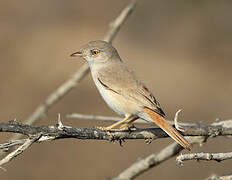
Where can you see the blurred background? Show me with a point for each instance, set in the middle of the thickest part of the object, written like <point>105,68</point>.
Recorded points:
<point>180,49</point>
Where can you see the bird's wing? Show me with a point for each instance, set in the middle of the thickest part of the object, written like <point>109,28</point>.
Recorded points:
<point>146,93</point>
<point>129,87</point>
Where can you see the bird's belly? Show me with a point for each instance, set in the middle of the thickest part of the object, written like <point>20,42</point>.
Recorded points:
<point>117,102</point>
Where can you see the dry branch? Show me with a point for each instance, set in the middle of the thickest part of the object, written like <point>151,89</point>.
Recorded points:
<point>60,132</point>
<point>153,160</point>
<point>215,177</point>
<point>55,132</point>
<point>145,164</point>
<point>93,117</point>
<point>12,143</point>
<point>204,156</point>
<point>224,126</point>
<point>20,149</point>
<point>221,128</point>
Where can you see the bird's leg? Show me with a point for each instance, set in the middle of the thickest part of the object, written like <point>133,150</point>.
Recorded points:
<point>125,125</point>
<point>115,124</point>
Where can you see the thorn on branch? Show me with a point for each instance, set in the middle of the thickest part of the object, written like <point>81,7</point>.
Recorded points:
<point>60,125</point>
<point>177,126</point>
<point>121,141</point>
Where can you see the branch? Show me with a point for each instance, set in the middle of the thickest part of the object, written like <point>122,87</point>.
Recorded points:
<point>202,128</point>
<point>204,156</point>
<point>61,132</point>
<point>215,177</point>
<point>12,143</point>
<point>93,117</point>
<point>118,22</point>
<point>153,160</point>
<point>20,149</point>
<point>71,83</point>
<point>221,128</point>
<point>55,132</point>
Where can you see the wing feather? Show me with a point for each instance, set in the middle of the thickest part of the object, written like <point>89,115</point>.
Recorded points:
<point>125,83</point>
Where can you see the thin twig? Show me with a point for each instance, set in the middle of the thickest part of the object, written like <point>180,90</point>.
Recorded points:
<point>110,118</point>
<point>68,85</point>
<point>12,143</point>
<point>204,156</point>
<point>93,117</point>
<point>20,149</point>
<point>224,177</point>
<point>118,22</point>
<point>152,160</point>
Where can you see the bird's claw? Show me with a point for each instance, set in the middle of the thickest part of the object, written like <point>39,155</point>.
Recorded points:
<point>148,140</point>
<point>106,129</point>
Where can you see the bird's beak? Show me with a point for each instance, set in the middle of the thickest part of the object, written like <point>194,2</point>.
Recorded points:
<point>78,53</point>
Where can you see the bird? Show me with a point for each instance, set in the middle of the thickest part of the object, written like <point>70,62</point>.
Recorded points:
<point>122,90</point>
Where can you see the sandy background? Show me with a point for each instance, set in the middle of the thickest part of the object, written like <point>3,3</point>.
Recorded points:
<point>181,49</point>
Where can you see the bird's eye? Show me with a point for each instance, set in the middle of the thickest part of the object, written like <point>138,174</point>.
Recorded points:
<point>94,52</point>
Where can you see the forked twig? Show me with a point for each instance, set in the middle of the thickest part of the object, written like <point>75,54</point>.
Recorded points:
<point>20,149</point>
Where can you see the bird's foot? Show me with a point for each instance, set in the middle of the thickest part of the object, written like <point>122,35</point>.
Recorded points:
<point>124,126</point>
<point>128,127</point>
<point>106,129</point>
<point>103,128</point>
<point>149,138</point>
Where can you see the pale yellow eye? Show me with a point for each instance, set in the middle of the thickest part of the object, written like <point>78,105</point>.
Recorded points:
<point>94,52</point>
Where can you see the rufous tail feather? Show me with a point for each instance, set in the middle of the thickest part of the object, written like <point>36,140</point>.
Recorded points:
<point>165,126</point>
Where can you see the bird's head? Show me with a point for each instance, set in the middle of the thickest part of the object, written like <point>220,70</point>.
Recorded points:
<point>97,52</point>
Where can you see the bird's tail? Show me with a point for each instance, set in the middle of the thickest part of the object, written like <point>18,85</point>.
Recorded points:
<point>164,125</point>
